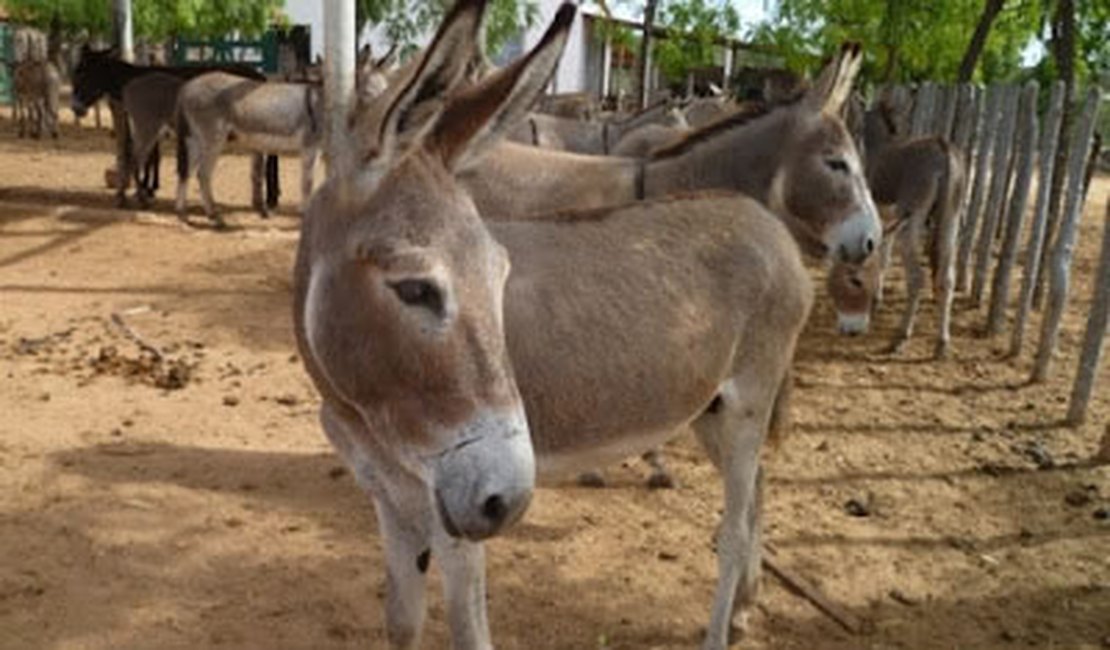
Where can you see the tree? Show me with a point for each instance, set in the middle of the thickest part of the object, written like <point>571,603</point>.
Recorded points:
<point>406,21</point>
<point>154,20</point>
<point>905,40</point>
<point>978,39</point>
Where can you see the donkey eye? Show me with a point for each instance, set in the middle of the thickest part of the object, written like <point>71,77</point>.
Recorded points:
<point>837,165</point>
<point>856,282</point>
<point>419,293</point>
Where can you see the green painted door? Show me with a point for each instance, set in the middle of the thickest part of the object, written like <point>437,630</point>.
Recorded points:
<point>6,56</point>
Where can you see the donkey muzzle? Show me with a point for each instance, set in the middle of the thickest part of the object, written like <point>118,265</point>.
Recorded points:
<point>484,484</point>
<point>853,324</point>
<point>857,238</point>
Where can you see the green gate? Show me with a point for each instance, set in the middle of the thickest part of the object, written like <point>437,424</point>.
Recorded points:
<point>6,60</point>
<point>262,53</point>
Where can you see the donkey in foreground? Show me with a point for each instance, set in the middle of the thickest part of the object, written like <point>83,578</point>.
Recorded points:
<point>407,327</point>
<point>921,181</point>
<point>797,158</point>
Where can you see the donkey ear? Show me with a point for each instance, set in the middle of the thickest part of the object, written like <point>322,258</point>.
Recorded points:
<point>440,70</point>
<point>482,115</point>
<point>830,93</point>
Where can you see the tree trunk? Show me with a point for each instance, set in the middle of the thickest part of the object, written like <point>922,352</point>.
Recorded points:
<point>979,39</point>
<point>645,49</point>
<point>1063,54</point>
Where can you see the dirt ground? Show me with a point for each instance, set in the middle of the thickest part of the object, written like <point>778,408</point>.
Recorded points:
<point>193,502</point>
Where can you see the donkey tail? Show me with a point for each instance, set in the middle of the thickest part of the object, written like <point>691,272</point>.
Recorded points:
<point>182,146</point>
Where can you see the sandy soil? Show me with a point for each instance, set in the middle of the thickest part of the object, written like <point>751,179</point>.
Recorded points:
<point>194,503</point>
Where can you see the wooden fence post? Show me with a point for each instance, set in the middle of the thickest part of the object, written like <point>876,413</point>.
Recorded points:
<point>1015,214</point>
<point>1049,137</point>
<point>947,115</point>
<point>1000,180</point>
<point>1091,352</point>
<point>923,101</point>
<point>1062,251</point>
<point>986,134</point>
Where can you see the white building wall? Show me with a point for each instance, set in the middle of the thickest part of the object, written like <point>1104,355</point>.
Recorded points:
<point>569,77</point>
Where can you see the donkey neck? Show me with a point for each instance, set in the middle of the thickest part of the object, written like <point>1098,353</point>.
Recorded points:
<point>115,74</point>
<point>742,157</point>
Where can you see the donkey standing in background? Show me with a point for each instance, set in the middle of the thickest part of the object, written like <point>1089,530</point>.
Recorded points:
<point>798,159</point>
<point>599,138</point>
<point>397,304</point>
<point>100,73</point>
<point>36,85</point>
<point>921,181</point>
<point>263,116</point>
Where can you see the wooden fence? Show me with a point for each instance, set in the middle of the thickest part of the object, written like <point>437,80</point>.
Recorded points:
<point>1007,142</point>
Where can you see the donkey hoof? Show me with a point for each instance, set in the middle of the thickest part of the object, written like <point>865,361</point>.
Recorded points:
<point>896,346</point>
<point>660,481</point>
<point>739,627</point>
<point>940,350</point>
<point>591,480</point>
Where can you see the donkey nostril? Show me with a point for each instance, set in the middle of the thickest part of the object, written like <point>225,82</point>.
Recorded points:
<point>495,509</point>
<point>869,245</point>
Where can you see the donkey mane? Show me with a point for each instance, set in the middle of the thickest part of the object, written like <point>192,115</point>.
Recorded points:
<point>748,112</point>
<point>602,213</point>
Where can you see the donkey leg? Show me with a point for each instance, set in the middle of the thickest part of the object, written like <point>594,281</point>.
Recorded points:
<point>205,169</point>
<point>885,250</point>
<point>660,477</point>
<point>273,181</point>
<point>308,165</point>
<point>944,279</point>
<point>405,518</point>
<point>258,163</point>
<point>185,171</point>
<point>732,431</point>
<point>915,279</point>
<point>463,564</point>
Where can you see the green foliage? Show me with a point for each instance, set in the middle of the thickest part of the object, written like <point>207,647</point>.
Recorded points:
<point>904,40</point>
<point>153,19</point>
<point>693,28</point>
<point>405,21</point>
<point>914,40</point>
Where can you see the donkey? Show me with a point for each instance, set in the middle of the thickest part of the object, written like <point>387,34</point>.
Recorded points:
<point>578,136</point>
<point>36,85</point>
<point>272,117</point>
<point>641,142</point>
<point>921,182</point>
<point>101,72</point>
<point>799,159</point>
<point>399,317</point>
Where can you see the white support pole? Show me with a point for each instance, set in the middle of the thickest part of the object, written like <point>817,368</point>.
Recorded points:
<point>1059,266</point>
<point>606,67</point>
<point>125,39</point>
<point>339,81</point>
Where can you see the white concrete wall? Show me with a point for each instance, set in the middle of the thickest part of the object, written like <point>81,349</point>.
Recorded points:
<point>570,76</point>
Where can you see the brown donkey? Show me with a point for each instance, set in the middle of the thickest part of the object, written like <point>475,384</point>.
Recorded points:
<point>798,159</point>
<point>399,319</point>
<point>919,181</point>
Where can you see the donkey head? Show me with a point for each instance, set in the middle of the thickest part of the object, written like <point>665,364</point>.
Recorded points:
<point>853,288</point>
<point>403,285</point>
<point>821,182</point>
<point>91,78</point>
